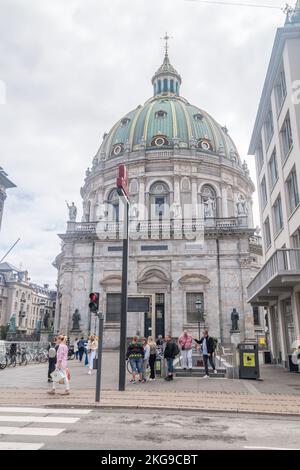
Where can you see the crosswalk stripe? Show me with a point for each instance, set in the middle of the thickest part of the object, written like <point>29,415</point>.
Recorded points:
<point>65,411</point>
<point>38,419</point>
<point>7,430</point>
<point>21,445</point>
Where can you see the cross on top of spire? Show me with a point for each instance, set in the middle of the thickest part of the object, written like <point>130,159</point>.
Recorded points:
<point>166,38</point>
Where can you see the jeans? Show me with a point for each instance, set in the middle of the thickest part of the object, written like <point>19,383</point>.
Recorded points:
<point>170,361</point>
<point>136,365</point>
<point>80,352</point>
<point>187,358</point>
<point>152,360</point>
<point>205,359</point>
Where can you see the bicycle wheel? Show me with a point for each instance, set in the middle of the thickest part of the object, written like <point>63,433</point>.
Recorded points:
<point>129,368</point>
<point>24,360</point>
<point>3,362</point>
<point>13,361</point>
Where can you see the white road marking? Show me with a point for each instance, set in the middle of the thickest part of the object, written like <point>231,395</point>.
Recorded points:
<point>7,430</point>
<point>37,419</point>
<point>267,448</point>
<point>58,411</point>
<point>20,446</point>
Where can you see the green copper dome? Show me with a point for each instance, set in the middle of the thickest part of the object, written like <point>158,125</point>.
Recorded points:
<point>168,121</point>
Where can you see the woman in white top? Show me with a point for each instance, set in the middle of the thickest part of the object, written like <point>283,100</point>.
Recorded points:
<point>92,348</point>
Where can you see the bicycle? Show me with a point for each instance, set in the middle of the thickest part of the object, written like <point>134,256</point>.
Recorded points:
<point>22,357</point>
<point>3,361</point>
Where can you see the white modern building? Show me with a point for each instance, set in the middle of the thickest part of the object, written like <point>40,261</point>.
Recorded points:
<point>276,145</point>
<point>180,162</point>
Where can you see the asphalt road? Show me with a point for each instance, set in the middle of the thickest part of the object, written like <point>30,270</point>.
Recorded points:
<point>131,430</point>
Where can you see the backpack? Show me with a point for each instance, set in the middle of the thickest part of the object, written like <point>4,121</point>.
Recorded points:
<point>176,349</point>
<point>52,353</point>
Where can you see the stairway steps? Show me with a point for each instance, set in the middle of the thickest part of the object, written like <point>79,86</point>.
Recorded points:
<point>199,372</point>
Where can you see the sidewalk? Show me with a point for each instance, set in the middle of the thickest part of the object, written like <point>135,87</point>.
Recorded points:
<point>278,393</point>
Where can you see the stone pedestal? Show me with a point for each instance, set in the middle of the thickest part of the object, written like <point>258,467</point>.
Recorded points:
<point>75,334</point>
<point>44,336</point>
<point>235,337</point>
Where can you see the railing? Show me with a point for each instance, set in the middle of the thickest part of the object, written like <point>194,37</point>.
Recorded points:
<point>281,263</point>
<point>159,228</point>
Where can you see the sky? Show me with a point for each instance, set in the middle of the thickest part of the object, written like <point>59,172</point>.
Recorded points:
<point>70,69</point>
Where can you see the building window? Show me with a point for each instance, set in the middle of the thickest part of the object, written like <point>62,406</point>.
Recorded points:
<point>259,156</point>
<point>286,136</point>
<point>269,127</point>
<point>263,192</point>
<point>292,190</point>
<point>113,307</point>
<point>159,199</point>
<point>113,206</point>
<point>296,239</point>
<point>273,169</point>
<point>161,114</point>
<point>278,219</point>
<point>194,314</point>
<point>165,84</point>
<point>280,89</point>
<point>267,233</point>
<point>256,319</point>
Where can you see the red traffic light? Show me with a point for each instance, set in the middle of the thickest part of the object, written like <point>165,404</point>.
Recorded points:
<point>93,297</point>
<point>94,301</point>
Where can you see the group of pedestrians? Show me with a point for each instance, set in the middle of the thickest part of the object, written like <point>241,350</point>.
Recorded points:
<point>143,352</point>
<point>88,348</point>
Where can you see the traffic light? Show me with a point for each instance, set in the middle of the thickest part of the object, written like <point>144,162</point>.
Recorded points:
<point>94,302</point>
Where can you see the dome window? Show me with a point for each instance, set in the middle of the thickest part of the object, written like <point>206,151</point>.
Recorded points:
<point>198,117</point>
<point>205,144</point>
<point>125,122</point>
<point>160,141</point>
<point>161,114</point>
<point>117,149</point>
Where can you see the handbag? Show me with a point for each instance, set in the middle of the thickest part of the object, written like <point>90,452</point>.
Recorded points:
<point>58,376</point>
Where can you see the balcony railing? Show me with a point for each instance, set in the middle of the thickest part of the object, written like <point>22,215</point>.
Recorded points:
<point>282,263</point>
<point>159,228</point>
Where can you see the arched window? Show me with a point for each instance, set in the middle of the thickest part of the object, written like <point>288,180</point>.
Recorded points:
<point>165,84</point>
<point>159,199</point>
<point>113,206</point>
<point>209,202</point>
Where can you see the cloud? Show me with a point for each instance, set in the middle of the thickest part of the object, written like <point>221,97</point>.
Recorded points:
<point>71,69</point>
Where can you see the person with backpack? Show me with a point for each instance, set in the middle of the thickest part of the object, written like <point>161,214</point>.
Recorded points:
<point>52,350</point>
<point>135,354</point>
<point>171,351</point>
<point>185,342</point>
<point>62,365</point>
<point>80,346</point>
<point>208,348</point>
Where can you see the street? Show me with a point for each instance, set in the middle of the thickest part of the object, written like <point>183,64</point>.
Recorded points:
<point>83,429</point>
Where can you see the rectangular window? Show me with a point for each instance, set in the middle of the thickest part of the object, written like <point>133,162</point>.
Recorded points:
<point>259,156</point>
<point>286,136</point>
<point>263,191</point>
<point>278,219</point>
<point>113,307</point>
<point>256,318</point>
<point>273,169</point>
<point>269,126</point>
<point>160,206</point>
<point>296,239</point>
<point>267,233</point>
<point>194,307</point>
<point>292,190</point>
<point>280,90</point>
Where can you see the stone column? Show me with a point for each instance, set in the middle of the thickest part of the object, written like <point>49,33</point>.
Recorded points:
<point>296,312</point>
<point>194,198</point>
<point>142,199</point>
<point>282,331</point>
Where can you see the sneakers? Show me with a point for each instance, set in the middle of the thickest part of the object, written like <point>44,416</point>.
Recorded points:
<point>169,378</point>
<point>51,392</point>
<point>215,371</point>
<point>89,372</point>
<point>151,380</point>
<point>205,377</point>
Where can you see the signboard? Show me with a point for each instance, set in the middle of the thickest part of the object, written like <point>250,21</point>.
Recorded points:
<point>262,341</point>
<point>249,360</point>
<point>138,304</point>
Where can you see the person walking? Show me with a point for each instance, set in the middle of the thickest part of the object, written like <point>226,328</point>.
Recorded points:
<point>80,346</point>
<point>152,358</point>
<point>61,364</point>
<point>171,351</point>
<point>92,348</point>
<point>208,347</point>
<point>52,351</point>
<point>135,354</point>
<point>146,358</point>
<point>86,358</point>
<point>185,342</point>
<point>75,347</point>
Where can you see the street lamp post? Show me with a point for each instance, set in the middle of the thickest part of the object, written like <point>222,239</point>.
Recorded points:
<point>200,314</point>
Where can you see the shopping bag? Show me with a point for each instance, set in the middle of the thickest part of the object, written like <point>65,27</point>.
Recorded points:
<point>58,376</point>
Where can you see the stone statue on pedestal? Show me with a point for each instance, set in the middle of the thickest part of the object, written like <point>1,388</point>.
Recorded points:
<point>234,320</point>
<point>72,212</point>
<point>46,321</point>
<point>76,319</point>
<point>12,324</point>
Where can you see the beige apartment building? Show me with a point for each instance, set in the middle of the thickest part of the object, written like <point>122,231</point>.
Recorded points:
<point>276,145</point>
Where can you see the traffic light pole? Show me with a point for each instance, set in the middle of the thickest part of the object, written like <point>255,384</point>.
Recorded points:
<point>124,298</point>
<point>100,349</point>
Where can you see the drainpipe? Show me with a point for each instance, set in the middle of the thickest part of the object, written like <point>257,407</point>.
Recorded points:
<point>91,286</point>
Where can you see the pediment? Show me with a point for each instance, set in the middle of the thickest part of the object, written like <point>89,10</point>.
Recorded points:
<point>110,280</point>
<point>154,277</point>
<point>194,278</point>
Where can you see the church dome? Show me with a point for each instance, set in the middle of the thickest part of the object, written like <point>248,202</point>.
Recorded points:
<point>168,121</point>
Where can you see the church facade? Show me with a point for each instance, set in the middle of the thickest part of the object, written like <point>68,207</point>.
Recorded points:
<point>193,246</point>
